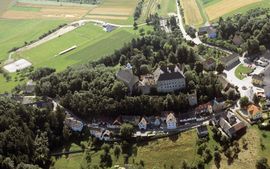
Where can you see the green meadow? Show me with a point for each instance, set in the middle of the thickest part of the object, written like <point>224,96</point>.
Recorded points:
<point>13,33</point>
<point>92,43</point>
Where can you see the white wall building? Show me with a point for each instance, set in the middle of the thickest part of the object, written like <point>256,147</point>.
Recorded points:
<point>171,121</point>
<point>169,79</point>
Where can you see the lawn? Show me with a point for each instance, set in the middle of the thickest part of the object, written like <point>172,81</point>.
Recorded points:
<point>241,71</point>
<point>265,139</point>
<point>14,33</point>
<point>92,43</point>
<point>169,152</point>
<point>25,8</point>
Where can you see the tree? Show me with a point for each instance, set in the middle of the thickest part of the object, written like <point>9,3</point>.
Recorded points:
<point>198,67</point>
<point>117,151</point>
<point>88,158</point>
<point>262,163</point>
<point>135,26</point>
<point>256,99</point>
<point>126,131</point>
<point>244,101</point>
<point>41,149</point>
<point>220,68</point>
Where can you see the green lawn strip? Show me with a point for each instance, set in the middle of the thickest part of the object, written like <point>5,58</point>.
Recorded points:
<point>13,33</point>
<point>241,71</point>
<point>25,8</point>
<point>209,2</point>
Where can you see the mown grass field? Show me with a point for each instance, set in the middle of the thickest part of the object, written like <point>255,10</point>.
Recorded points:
<point>192,12</point>
<point>169,152</point>
<point>91,41</point>
<point>13,33</point>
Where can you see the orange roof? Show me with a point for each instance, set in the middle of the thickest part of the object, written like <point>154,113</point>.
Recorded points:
<point>253,110</point>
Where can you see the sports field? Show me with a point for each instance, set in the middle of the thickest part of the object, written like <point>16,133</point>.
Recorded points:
<point>226,6</point>
<point>91,41</point>
<point>13,33</point>
<point>192,12</point>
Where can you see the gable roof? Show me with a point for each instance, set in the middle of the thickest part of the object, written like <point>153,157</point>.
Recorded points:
<point>168,73</point>
<point>143,121</point>
<point>170,118</point>
<point>253,110</point>
<point>226,59</point>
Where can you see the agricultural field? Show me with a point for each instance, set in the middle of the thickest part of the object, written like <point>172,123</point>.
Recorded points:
<point>115,11</point>
<point>192,12</point>
<point>14,33</point>
<point>226,6</point>
<point>91,41</point>
<point>37,11</point>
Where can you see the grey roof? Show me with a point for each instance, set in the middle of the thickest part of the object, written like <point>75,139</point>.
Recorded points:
<point>168,73</point>
<point>204,29</point>
<point>266,89</point>
<point>226,59</point>
<point>127,77</point>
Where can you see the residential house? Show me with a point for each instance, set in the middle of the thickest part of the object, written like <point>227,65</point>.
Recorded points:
<point>202,131</point>
<point>146,84</point>
<point>230,61</point>
<point>126,75</point>
<point>203,30</point>
<point>157,122</point>
<point>131,119</point>
<point>257,80</point>
<point>255,112</point>
<point>106,135</point>
<point>209,64</point>
<point>169,79</point>
<point>171,121</point>
<point>192,98</point>
<point>231,125</point>
<point>237,40</point>
<point>203,109</point>
<point>217,106</point>
<point>212,33</point>
<point>30,87</point>
<point>74,124</point>
<point>143,124</point>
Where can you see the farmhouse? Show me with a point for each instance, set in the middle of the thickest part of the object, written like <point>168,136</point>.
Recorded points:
<point>230,61</point>
<point>231,125</point>
<point>203,30</point>
<point>212,33</point>
<point>255,112</point>
<point>126,75</point>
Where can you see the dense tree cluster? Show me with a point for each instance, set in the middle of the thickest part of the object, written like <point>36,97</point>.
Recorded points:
<point>41,72</point>
<point>138,10</point>
<point>92,90</point>
<point>252,27</point>
<point>151,50</point>
<point>27,134</point>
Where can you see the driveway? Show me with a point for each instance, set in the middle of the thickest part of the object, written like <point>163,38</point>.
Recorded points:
<point>247,82</point>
